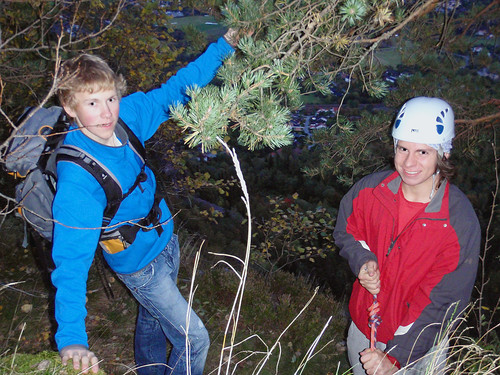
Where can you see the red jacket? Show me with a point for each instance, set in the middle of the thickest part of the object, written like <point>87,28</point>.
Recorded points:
<point>424,270</point>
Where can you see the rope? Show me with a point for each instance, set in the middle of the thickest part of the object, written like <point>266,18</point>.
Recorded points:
<point>374,321</point>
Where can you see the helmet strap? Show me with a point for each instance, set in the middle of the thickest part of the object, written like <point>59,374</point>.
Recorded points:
<point>433,191</point>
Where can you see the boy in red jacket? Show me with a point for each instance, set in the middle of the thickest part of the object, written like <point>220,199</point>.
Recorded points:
<point>412,239</point>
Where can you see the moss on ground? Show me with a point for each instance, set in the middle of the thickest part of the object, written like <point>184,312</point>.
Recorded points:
<point>44,363</point>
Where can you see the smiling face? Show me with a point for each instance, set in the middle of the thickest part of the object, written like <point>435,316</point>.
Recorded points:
<point>96,114</point>
<point>416,163</point>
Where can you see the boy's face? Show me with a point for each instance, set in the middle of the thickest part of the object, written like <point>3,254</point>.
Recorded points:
<point>416,163</point>
<point>96,114</point>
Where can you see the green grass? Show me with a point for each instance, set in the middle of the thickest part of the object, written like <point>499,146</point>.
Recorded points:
<point>205,24</point>
<point>44,363</point>
<point>388,56</point>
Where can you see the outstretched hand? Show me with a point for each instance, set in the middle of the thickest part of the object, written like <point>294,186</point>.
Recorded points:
<point>376,362</point>
<point>233,36</point>
<point>369,277</point>
<point>81,357</point>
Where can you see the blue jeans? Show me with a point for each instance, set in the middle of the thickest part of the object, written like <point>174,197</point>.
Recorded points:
<point>162,316</point>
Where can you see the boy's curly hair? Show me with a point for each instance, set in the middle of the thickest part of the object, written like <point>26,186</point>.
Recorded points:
<point>86,73</point>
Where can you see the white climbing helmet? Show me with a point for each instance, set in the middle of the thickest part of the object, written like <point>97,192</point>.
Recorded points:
<point>425,120</point>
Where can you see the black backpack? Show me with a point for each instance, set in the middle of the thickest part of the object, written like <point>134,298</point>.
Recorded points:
<point>33,153</point>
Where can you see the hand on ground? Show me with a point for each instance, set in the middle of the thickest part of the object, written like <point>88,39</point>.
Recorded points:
<point>82,358</point>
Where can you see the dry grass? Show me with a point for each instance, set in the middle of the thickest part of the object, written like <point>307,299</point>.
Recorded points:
<point>269,306</point>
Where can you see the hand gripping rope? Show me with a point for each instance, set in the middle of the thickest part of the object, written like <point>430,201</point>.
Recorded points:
<point>374,321</point>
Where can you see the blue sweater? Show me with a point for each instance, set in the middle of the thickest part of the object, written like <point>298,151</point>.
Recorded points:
<point>80,201</point>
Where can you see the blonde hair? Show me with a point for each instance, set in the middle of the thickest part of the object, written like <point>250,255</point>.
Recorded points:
<point>86,73</point>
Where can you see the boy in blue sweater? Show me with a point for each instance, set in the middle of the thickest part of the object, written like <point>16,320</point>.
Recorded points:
<point>91,94</point>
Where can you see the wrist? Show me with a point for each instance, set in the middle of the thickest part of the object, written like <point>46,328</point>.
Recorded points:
<point>231,37</point>
<point>72,347</point>
<point>394,361</point>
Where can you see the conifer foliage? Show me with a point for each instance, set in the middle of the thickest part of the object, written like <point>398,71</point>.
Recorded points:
<point>287,48</point>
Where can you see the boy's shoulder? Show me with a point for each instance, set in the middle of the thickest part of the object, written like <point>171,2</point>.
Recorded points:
<point>460,204</point>
<point>376,178</point>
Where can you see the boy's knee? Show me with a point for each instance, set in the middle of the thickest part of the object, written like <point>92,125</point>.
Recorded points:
<point>205,338</point>
<point>201,340</point>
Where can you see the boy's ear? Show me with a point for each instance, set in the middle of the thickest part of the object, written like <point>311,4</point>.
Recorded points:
<point>69,111</point>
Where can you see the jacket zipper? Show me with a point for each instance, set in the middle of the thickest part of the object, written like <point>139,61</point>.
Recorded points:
<point>393,242</point>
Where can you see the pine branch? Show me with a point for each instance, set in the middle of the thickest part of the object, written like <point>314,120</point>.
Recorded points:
<point>294,47</point>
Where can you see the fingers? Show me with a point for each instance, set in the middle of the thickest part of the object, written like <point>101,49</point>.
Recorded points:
<point>81,358</point>
<point>94,363</point>
<point>371,267</point>
<point>369,277</point>
<point>232,37</point>
<point>88,361</point>
<point>376,362</point>
<point>373,286</point>
<point>369,270</point>
<point>371,360</point>
<point>76,360</point>
<point>65,360</point>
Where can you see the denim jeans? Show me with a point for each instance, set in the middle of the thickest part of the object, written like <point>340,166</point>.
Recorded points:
<point>162,316</point>
<point>433,362</point>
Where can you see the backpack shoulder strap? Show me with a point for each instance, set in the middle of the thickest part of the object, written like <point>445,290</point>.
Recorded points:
<point>100,172</point>
<point>112,188</point>
<point>134,142</point>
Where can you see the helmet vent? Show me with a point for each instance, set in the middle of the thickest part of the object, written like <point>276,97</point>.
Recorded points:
<point>440,121</point>
<point>400,117</point>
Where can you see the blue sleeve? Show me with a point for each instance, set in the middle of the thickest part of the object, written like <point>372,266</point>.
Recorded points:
<point>77,210</point>
<point>145,112</point>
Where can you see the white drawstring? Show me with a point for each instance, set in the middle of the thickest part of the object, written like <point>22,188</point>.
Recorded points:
<point>433,184</point>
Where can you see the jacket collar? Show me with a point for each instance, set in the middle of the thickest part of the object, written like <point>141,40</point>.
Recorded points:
<point>435,205</point>
<point>437,200</point>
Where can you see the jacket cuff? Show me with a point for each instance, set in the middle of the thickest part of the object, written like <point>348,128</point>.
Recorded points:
<point>223,42</point>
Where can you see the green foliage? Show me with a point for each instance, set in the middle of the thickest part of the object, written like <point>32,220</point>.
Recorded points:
<point>353,11</point>
<point>212,110</point>
<point>133,38</point>
<point>293,233</point>
<point>286,49</point>
<point>26,51</point>
<point>141,46</point>
<point>469,354</point>
<point>351,148</point>
<point>196,41</point>
<point>437,62</point>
